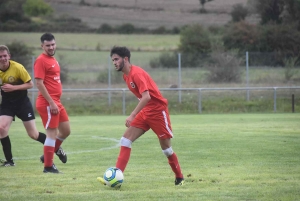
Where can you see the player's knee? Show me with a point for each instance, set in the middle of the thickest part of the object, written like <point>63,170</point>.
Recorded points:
<point>3,132</point>
<point>168,152</point>
<point>65,133</point>
<point>125,142</point>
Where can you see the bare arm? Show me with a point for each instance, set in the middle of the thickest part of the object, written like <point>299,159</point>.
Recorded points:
<point>41,87</point>
<point>9,87</point>
<point>142,103</point>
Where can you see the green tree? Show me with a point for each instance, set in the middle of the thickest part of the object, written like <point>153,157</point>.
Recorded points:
<point>21,53</point>
<point>12,11</point>
<point>195,45</point>
<point>291,12</point>
<point>241,36</point>
<point>194,39</point>
<point>269,10</point>
<point>283,39</point>
<point>37,8</point>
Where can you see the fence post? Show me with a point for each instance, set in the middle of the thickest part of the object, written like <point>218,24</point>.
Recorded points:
<point>275,97</point>
<point>179,77</point>
<point>247,74</point>
<point>109,81</point>
<point>199,101</point>
<point>124,103</point>
<point>293,103</point>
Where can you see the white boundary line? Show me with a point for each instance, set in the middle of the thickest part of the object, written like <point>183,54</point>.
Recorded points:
<point>82,151</point>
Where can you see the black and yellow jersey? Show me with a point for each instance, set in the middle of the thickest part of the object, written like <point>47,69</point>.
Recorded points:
<point>15,74</point>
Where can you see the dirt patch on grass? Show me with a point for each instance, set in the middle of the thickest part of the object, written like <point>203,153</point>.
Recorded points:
<point>149,14</point>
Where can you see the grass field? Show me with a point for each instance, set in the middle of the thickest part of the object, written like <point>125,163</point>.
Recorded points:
<point>88,69</point>
<point>223,157</point>
<point>91,41</point>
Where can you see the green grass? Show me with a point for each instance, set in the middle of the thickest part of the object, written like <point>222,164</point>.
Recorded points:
<point>91,41</point>
<point>85,65</point>
<point>223,157</point>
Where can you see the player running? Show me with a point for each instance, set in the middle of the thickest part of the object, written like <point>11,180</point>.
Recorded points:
<point>150,112</point>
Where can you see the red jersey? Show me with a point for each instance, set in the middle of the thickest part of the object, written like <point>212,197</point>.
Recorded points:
<point>48,69</point>
<point>138,81</point>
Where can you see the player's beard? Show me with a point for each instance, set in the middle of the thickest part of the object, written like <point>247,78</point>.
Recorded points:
<point>121,66</point>
<point>51,54</point>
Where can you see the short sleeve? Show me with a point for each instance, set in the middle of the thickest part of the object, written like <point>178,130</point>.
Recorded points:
<point>39,69</point>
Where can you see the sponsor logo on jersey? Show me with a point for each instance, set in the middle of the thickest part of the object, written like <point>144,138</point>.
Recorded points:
<point>11,79</point>
<point>132,85</point>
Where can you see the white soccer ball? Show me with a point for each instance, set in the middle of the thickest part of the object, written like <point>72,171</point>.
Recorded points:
<point>114,177</point>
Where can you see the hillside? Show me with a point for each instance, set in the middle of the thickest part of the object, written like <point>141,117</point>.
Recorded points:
<point>149,14</point>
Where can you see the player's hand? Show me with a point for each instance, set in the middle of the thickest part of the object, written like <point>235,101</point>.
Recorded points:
<point>128,121</point>
<point>7,87</point>
<point>54,108</point>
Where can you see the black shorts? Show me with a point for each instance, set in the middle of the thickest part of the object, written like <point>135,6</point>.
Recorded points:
<point>21,108</point>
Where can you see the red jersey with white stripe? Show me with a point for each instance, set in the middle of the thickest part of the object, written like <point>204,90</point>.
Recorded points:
<point>138,81</point>
<point>48,69</point>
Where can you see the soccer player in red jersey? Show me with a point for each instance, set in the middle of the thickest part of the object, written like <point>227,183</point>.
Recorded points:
<point>53,114</point>
<point>150,112</point>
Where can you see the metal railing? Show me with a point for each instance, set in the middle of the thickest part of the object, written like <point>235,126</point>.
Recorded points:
<point>199,91</point>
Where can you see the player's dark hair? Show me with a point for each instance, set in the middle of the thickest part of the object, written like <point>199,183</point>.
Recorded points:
<point>121,51</point>
<point>47,37</point>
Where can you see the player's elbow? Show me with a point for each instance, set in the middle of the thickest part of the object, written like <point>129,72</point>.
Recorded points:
<point>147,97</point>
<point>38,83</point>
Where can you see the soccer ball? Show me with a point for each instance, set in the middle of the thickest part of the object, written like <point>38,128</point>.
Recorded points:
<point>114,177</point>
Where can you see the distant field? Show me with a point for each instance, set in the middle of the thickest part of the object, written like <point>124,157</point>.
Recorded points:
<point>223,158</point>
<point>86,64</point>
<point>91,41</point>
<point>150,14</point>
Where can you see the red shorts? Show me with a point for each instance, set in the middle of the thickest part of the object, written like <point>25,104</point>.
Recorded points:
<point>52,120</point>
<point>158,121</point>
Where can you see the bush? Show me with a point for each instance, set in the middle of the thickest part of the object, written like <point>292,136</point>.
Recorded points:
<point>280,38</point>
<point>241,36</point>
<point>21,54</point>
<point>194,45</point>
<point>114,77</point>
<point>126,29</point>
<point>194,39</point>
<point>290,68</point>
<point>194,48</point>
<point>105,28</point>
<point>238,13</point>
<point>159,30</point>
<point>166,60</point>
<point>226,68</point>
